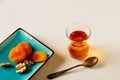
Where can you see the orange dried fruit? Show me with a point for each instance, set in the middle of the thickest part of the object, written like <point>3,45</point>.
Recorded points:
<point>38,56</point>
<point>26,47</point>
<point>17,55</point>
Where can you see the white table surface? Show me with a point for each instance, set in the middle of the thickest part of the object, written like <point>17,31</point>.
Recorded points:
<point>47,21</point>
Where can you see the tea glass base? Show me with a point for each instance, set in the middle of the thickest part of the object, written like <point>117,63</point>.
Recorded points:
<point>78,52</point>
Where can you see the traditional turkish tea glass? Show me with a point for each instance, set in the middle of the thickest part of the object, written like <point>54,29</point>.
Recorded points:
<point>78,34</point>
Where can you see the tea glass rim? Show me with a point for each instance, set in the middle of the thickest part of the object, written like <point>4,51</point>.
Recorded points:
<point>78,27</point>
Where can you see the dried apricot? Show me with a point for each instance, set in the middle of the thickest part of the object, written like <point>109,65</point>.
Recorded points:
<point>26,47</point>
<point>38,56</point>
<point>17,55</point>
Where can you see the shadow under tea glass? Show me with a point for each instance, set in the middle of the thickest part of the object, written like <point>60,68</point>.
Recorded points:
<point>78,34</point>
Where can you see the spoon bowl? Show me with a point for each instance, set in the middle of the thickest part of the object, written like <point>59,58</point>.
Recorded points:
<point>91,61</point>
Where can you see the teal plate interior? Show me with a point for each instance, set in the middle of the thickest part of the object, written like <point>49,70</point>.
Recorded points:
<point>18,36</point>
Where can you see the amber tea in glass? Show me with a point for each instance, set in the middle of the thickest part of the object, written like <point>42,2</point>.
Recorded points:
<point>78,34</point>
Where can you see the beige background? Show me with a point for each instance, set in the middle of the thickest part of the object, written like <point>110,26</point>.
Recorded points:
<point>47,21</point>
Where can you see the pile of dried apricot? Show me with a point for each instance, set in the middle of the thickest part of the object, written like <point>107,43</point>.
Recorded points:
<point>23,51</point>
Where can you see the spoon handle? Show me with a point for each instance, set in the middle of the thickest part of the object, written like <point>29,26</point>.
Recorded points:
<point>56,74</point>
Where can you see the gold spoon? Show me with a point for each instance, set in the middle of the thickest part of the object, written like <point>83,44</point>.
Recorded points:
<point>89,62</point>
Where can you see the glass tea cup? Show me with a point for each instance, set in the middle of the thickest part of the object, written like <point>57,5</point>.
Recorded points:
<point>78,34</point>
